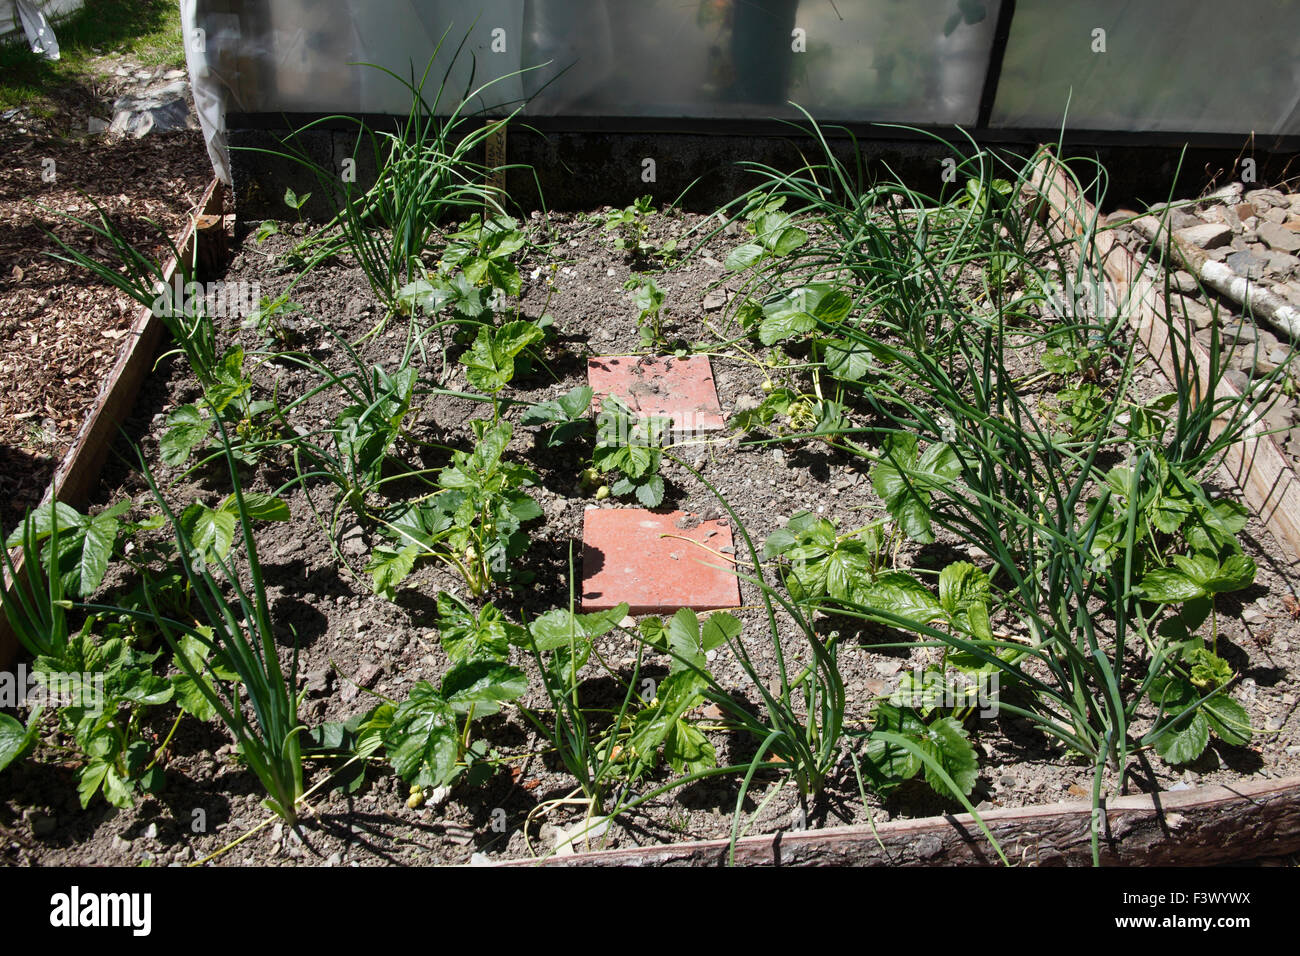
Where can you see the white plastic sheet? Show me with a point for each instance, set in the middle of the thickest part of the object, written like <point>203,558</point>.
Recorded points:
<point>205,79</point>
<point>40,35</point>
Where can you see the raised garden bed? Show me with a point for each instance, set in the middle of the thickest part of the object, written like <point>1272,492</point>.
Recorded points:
<point>823,353</point>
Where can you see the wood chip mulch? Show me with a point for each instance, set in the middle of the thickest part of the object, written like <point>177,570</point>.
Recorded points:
<point>60,328</point>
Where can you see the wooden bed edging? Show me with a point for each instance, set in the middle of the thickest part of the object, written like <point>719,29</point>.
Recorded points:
<point>1257,465</point>
<point>1194,827</point>
<point>77,473</point>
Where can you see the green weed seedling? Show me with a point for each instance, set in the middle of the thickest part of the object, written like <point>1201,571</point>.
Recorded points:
<point>298,258</point>
<point>273,320</point>
<point>632,232</point>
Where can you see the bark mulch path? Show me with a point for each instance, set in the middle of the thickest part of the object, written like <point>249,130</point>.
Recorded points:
<point>60,328</point>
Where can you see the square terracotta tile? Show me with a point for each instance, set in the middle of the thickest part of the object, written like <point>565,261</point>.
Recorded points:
<point>626,558</point>
<point>681,388</point>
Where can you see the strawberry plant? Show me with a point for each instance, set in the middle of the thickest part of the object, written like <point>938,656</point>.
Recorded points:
<point>903,743</point>
<point>474,524</point>
<point>364,434</point>
<point>490,361</point>
<point>105,678</point>
<point>686,639</point>
<point>906,478</point>
<point>824,563</point>
<point>560,642</point>
<point>649,301</point>
<point>228,395</point>
<point>110,731</point>
<point>658,731</point>
<point>775,236</point>
<point>632,448</point>
<point>427,737</point>
<point>632,231</point>
<point>17,740</point>
<point>563,418</point>
<point>75,546</point>
<point>482,252</point>
<point>786,412</point>
<point>794,314</point>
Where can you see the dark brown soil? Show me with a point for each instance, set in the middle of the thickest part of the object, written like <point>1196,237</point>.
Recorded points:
<point>346,634</point>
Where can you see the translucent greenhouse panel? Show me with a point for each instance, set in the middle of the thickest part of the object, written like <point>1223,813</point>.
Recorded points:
<point>844,60</point>
<point>921,61</point>
<point>318,56</point>
<point>1179,65</point>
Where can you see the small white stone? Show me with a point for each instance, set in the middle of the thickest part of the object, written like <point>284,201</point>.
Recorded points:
<point>582,833</point>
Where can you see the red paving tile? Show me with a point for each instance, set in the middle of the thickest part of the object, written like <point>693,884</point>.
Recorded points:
<point>624,558</point>
<point>681,388</point>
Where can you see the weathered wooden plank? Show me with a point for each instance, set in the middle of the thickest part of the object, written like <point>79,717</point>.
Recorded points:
<point>1194,827</point>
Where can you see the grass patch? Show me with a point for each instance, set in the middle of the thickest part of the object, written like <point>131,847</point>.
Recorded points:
<point>149,31</point>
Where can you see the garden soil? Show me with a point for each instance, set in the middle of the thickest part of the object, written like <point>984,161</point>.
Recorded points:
<point>355,647</point>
